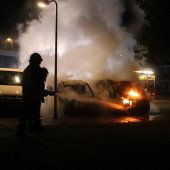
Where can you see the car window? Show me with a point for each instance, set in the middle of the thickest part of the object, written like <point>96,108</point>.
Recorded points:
<point>80,89</point>
<point>10,78</point>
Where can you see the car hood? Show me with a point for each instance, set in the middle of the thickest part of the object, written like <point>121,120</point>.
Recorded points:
<point>10,90</point>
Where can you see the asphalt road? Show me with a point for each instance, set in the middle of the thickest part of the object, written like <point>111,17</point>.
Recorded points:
<point>160,111</point>
<point>85,143</point>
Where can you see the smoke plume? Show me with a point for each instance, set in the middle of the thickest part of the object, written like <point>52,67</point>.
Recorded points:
<point>94,39</point>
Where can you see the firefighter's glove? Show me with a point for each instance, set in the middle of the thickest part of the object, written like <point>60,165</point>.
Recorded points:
<point>46,93</point>
<point>52,93</point>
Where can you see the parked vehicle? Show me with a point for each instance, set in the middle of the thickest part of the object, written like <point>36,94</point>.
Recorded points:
<point>10,87</point>
<point>74,97</point>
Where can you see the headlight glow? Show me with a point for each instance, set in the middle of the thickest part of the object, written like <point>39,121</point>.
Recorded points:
<point>17,79</point>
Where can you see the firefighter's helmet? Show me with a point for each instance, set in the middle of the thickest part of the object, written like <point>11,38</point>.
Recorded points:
<point>35,57</point>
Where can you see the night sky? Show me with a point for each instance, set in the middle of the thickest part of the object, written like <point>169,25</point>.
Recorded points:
<point>13,12</point>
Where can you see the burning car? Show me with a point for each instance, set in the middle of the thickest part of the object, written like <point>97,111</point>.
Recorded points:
<point>129,94</point>
<point>77,98</point>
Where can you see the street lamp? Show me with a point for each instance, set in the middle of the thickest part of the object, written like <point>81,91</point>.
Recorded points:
<point>43,4</point>
<point>9,43</point>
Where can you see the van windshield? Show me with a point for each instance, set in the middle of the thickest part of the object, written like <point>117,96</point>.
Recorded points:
<point>10,78</point>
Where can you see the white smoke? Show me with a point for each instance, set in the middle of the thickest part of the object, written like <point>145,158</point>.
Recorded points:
<point>92,43</point>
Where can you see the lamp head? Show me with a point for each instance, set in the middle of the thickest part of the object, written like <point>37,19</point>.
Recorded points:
<point>43,3</point>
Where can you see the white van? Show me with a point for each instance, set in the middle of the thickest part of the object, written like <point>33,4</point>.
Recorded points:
<point>10,87</point>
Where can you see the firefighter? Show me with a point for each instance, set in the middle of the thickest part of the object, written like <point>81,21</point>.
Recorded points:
<point>32,92</point>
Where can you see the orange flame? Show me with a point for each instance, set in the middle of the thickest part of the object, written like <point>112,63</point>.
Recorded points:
<point>133,93</point>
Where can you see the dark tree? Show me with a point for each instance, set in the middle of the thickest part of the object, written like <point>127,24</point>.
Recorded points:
<point>155,33</point>
<point>14,12</point>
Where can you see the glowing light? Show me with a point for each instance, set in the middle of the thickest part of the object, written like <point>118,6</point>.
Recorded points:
<point>42,4</point>
<point>146,72</point>
<point>9,40</point>
<point>133,93</point>
<point>17,79</point>
<point>142,77</point>
<point>129,119</point>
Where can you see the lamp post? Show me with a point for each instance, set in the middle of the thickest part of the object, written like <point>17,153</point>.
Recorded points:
<point>42,4</point>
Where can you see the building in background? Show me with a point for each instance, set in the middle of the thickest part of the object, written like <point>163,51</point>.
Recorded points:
<point>9,58</point>
<point>9,55</point>
<point>8,43</point>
